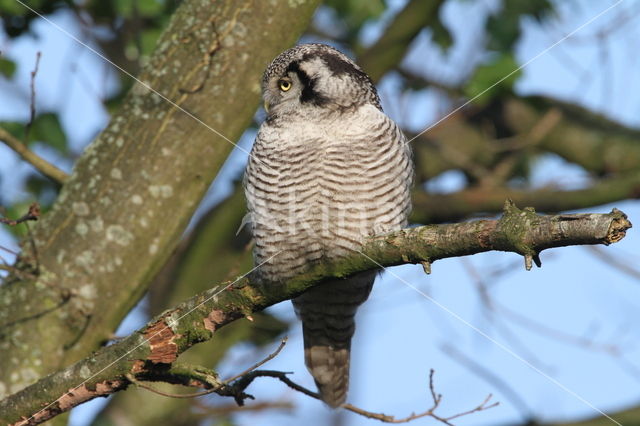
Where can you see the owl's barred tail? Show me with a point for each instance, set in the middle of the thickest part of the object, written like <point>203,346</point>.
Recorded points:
<point>328,312</point>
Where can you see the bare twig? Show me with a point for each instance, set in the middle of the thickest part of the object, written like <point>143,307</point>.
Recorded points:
<point>21,274</point>
<point>436,398</point>
<point>481,407</point>
<point>237,385</point>
<point>261,363</point>
<point>140,384</point>
<point>32,214</point>
<point>244,382</point>
<point>44,167</point>
<point>32,104</point>
<point>8,250</point>
<point>221,410</point>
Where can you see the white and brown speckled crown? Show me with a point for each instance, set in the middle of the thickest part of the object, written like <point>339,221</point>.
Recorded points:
<point>361,88</point>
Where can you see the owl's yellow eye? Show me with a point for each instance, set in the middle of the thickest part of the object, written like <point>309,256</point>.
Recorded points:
<point>284,85</point>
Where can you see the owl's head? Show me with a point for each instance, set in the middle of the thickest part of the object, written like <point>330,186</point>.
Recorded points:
<point>315,76</point>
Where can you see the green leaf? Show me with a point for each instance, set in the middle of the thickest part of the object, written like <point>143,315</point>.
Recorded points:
<point>503,28</point>
<point>124,8</point>
<point>148,40</point>
<point>7,67</point>
<point>11,7</point>
<point>43,189</point>
<point>46,128</point>
<point>489,74</point>
<point>146,8</point>
<point>15,211</point>
<point>13,127</point>
<point>357,12</point>
<point>441,35</point>
<point>150,7</point>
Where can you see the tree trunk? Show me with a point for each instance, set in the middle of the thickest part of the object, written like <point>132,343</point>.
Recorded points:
<point>134,189</point>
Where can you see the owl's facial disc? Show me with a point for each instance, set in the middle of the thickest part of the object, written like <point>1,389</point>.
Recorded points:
<point>315,76</point>
<point>283,93</point>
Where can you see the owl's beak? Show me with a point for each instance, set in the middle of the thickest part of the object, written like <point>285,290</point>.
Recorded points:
<point>266,106</point>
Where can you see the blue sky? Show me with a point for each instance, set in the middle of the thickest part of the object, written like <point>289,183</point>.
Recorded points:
<point>401,333</point>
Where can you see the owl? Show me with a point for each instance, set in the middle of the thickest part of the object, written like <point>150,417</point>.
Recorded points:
<point>327,169</point>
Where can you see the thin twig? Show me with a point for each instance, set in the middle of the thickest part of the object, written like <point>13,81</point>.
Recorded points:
<point>244,382</point>
<point>282,376</point>
<point>8,250</point>
<point>236,386</point>
<point>21,274</point>
<point>481,407</point>
<point>32,105</point>
<point>21,148</point>
<point>436,398</point>
<point>259,364</point>
<point>140,384</point>
<point>227,409</point>
<point>32,214</point>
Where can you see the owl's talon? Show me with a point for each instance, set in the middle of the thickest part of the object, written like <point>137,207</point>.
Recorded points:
<point>426,265</point>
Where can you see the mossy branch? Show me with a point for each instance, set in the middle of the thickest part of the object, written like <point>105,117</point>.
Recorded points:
<point>158,344</point>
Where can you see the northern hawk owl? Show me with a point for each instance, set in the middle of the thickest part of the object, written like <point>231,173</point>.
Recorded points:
<point>328,168</point>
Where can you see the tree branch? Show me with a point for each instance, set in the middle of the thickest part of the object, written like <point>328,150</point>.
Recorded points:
<point>237,385</point>
<point>594,142</point>
<point>187,375</point>
<point>44,167</point>
<point>387,52</point>
<point>196,320</point>
<point>437,208</point>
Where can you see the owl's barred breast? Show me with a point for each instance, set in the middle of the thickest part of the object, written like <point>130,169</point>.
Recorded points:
<point>327,169</point>
<point>317,186</point>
